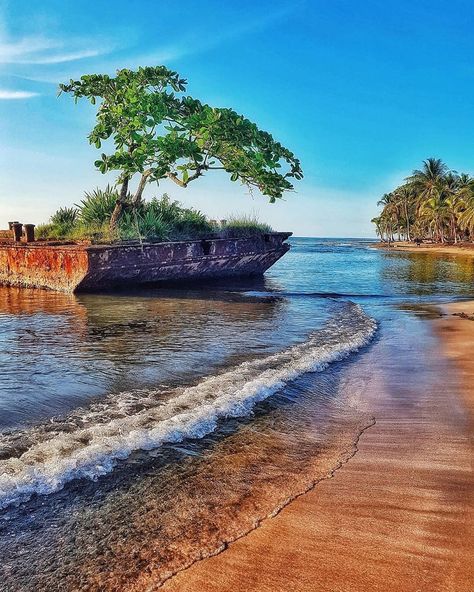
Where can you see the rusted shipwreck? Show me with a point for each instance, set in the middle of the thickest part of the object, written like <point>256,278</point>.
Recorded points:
<point>71,267</point>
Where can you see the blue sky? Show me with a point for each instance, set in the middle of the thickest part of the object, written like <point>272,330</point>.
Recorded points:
<point>360,91</point>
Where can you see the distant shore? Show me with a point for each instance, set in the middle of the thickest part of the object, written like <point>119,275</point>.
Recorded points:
<point>396,516</point>
<point>435,248</point>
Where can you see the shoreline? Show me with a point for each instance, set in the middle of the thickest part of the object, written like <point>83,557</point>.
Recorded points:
<point>434,249</point>
<point>456,332</point>
<point>396,515</point>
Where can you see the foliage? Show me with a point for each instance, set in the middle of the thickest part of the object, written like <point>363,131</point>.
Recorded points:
<point>159,219</point>
<point>50,231</point>
<point>97,206</point>
<point>159,133</point>
<point>65,216</point>
<point>145,225</point>
<point>244,226</point>
<point>434,203</point>
<point>60,224</point>
<point>185,222</point>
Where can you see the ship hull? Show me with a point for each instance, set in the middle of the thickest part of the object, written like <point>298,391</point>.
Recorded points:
<point>91,268</point>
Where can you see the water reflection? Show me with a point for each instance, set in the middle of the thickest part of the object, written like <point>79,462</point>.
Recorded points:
<point>58,351</point>
<point>428,273</point>
<point>354,268</point>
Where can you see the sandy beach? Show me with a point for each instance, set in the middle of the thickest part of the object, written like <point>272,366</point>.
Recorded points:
<point>434,248</point>
<point>397,516</point>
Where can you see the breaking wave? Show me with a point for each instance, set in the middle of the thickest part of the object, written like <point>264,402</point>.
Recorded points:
<point>89,442</point>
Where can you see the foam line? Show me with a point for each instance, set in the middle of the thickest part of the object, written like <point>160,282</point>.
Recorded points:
<point>53,458</point>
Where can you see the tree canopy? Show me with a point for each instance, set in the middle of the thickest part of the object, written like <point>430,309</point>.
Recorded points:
<point>158,132</point>
<point>434,203</point>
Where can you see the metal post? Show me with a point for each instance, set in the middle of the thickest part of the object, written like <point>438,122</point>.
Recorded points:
<point>17,228</point>
<point>29,232</point>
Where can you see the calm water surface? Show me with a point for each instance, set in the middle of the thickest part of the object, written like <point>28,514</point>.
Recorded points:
<point>141,431</point>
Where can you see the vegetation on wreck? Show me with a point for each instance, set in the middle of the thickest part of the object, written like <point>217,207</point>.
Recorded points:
<point>160,219</point>
<point>152,131</point>
<point>435,203</point>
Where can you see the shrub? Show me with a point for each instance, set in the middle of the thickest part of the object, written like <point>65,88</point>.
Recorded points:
<point>97,206</point>
<point>181,222</point>
<point>190,223</point>
<point>96,233</point>
<point>66,217</point>
<point>169,211</point>
<point>145,224</point>
<point>159,219</point>
<point>51,231</point>
<point>244,226</point>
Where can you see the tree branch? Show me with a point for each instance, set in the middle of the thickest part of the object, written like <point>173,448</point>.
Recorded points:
<point>174,177</point>
<point>141,186</point>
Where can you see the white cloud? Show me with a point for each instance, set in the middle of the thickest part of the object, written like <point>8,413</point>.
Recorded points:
<point>6,95</point>
<point>11,52</point>
<point>40,50</point>
<point>60,57</point>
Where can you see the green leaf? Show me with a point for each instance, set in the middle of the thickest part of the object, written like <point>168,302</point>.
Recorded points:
<point>134,104</point>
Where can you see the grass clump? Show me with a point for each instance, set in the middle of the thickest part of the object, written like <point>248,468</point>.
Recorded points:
<point>60,225</point>
<point>244,226</point>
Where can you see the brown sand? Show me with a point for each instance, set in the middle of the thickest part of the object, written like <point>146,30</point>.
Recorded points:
<point>435,248</point>
<point>397,517</point>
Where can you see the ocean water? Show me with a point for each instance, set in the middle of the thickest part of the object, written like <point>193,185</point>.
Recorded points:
<point>142,431</point>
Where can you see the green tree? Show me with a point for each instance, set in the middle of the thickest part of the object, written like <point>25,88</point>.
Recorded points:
<point>426,180</point>
<point>465,210</point>
<point>404,196</point>
<point>434,202</point>
<point>435,212</point>
<point>156,132</point>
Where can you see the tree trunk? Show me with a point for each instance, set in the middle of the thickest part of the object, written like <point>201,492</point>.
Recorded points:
<point>122,199</point>
<point>137,198</point>
<point>407,221</point>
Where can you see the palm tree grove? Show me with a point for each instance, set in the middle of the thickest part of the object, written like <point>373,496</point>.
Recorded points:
<point>434,204</point>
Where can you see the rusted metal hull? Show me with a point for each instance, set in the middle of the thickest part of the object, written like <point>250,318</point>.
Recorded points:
<point>71,268</point>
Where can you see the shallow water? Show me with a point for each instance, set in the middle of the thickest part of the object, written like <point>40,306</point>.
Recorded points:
<point>142,431</point>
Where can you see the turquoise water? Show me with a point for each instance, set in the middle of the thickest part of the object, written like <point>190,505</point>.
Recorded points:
<point>185,416</point>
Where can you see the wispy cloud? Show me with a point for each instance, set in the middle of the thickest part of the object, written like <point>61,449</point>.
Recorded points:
<point>40,50</point>
<point>51,60</point>
<point>8,95</point>
<point>12,51</point>
<point>60,58</point>
<point>189,44</point>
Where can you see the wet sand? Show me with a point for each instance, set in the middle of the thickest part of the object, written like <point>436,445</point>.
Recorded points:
<point>458,249</point>
<point>397,516</point>
<point>457,335</point>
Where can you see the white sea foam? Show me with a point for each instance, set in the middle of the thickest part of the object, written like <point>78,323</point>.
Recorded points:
<point>57,457</point>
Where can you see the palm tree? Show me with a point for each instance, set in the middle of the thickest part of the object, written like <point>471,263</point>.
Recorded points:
<point>405,197</point>
<point>433,201</point>
<point>435,213</point>
<point>431,173</point>
<point>426,181</point>
<point>465,212</point>
<point>378,226</point>
<point>390,215</point>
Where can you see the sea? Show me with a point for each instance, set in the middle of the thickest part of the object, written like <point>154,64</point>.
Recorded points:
<point>142,431</point>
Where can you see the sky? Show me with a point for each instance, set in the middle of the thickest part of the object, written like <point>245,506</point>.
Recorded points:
<point>361,92</point>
